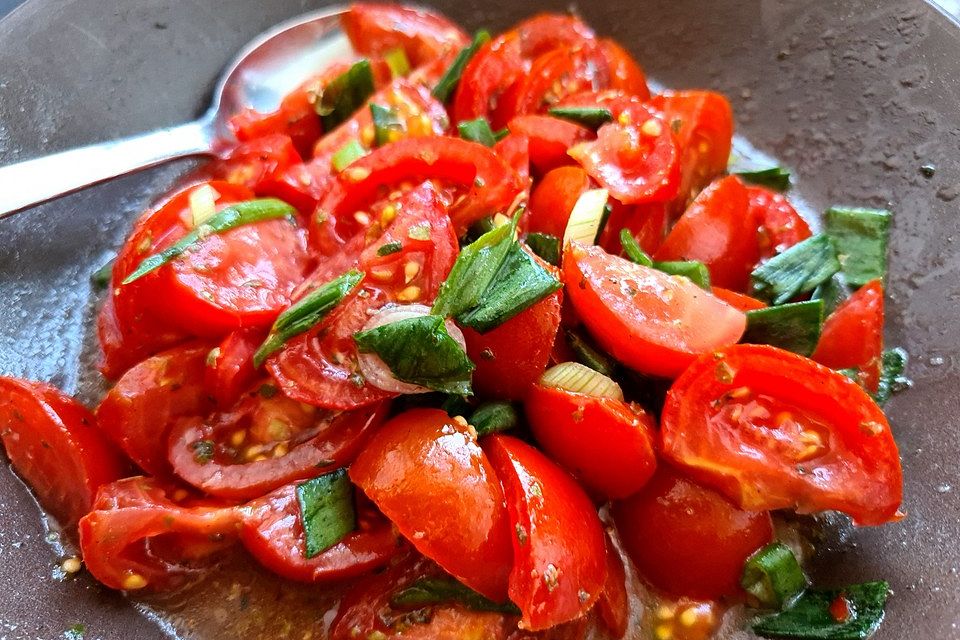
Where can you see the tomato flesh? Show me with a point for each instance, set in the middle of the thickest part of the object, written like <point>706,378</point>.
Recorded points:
<point>230,368</point>
<point>852,337</point>
<point>780,225</point>
<point>549,140</point>
<point>553,199</point>
<point>376,29</point>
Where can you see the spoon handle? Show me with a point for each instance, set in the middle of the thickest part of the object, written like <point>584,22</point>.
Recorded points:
<point>31,182</point>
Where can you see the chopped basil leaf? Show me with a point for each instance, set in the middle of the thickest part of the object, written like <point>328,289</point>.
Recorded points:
<point>794,326</point>
<point>398,62</point>
<point>345,94</point>
<point>306,313</point>
<point>326,510</point>
<point>477,229</point>
<point>492,417</point>
<point>451,77</point>
<point>477,131</point>
<point>432,591</point>
<point>388,248</point>
<point>473,272</point>
<point>386,124</point>
<point>797,270</point>
<point>810,618</point>
<point>860,239</point>
<point>544,245</point>
<point>203,451</point>
<point>101,277</point>
<point>75,632</point>
<point>695,271</point>
<point>776,178</point>
<point>833,292</point>
<point>893,363</point>
<point>633,250</point>
<point>229,218</point>
<point>454,405</point>
<point>347,154</point>
<point>590,356</point>
<point>592,117</point>
<point>420,351</point>
<point>773,576</point>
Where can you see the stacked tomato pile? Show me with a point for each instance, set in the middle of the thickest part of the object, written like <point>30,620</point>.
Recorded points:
<point>374,342</point>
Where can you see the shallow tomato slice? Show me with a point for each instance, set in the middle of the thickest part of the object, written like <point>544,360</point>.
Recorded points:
<point>139,410</point>
<point>780,225</point>
<point>266,442</point>
<point>230,366</point>
<point>428,475</point>
<point>852,337</point>
<point>717,230</point>
<point>559,564</point>
<point>646,319</point>
<point>687,540</point>
<point>549,139</point>
<point>138,536</point>
<point>376,29</point>
<point>607,444</point>
<point>738,300</point>
<point>773,430</point>
<point>258,163</point>
<point>553,199</point>
<point>53,443</point>
<point>511,357</point>
<point>613,607</point>
<point>625,74</point>
<point>272,532</point>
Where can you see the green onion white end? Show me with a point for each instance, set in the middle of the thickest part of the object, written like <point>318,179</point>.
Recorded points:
<point>577,378</point>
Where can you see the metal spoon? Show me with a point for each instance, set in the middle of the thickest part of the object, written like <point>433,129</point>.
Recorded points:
<point>269,67</point>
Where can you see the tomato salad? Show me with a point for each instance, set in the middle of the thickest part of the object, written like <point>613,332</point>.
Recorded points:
<point>483,330</point>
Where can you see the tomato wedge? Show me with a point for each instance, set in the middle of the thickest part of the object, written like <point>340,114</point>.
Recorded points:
<point>646,222</point>
<point>559,563</point>
<point>852,337</point>
<point>426,472</point>
<point>230,366</point>
<point>780,225</point>
<point>259,163</point>
<point>139,410</point>
<point>625,74</point>
<point>558,73</point>
<point>687,540</point>
<point>272,532</point>
<point>773,430</point>
<point>646,319</point>
<point>613,607</point>
<point>553,199</point>
<point>549,140</point>
<point>514,149</point>
<point>54,445</point>
<point>376,29</point>
<point>607,444</point>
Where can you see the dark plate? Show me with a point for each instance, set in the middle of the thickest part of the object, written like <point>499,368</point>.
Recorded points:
<point>855,96</point>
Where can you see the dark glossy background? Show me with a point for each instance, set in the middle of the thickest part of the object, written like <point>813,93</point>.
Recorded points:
<point>853,95</point>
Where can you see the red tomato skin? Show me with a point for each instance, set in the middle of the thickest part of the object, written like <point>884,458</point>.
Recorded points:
<point>122,345</point>
<point>296,117</point>
<point>559,566</point>
<point>852,336</point>
<point>637,326</point>
<point>549,140</point>
<point>258,163</point>
<point>230,369</point>
<point>553,198</point>
<point>740,301</point>
<point>427,474</point>
<point>376,29</point>
<point>139,410</point>
<point>53,443</point>
<point>625,74</point>
<point>780,226</point>
<point>647,223</point>
<point>687,540</point>
<point>513,356</point>
<point>514,149</point>
<point>854,469</point>
<point>558,73</point>
<point>607,444</point>
<point>613,607</point>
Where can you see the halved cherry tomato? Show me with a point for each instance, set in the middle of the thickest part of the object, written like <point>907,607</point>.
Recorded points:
<point>780,225</point>
<point>272,532</point>
<point>625,74</point>
<point>266,442</point>
<point>124,344</point>
<point>549,140</point>
<point>553,198</point>
<point>514,355</point>
<point>559,552</point>
<point>646,319</point>
<point>258,163</point>
<point>376,29</point>
<point>773,430</point>
<point>230,369</point>
<point>737,300</point>
<point>852,336</point>
<point>54,445</point>
<point>139,410</point>
<point>140,535</point>
<point>607,444</point>
<point>717,230</point>
<point>426,472</point>
<point>514,149</point>
<point>687,540</point>
<point>613,607</point>
<point>558,73</point>
<point>646,222</point>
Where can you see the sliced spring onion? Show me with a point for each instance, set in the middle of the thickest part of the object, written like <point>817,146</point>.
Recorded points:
<point>578,378</point>
<point>389,247</point>
<point>432,591</point>
<point>776,178</point>
<point>860,239</point>
<point>230,218</point>
<point>588,355</point>
<point>798,269</point>
<point>203,203</point>
<point>477,131</point>
<point>397,62</point>
<point>326,510</point>
<point>794,326</point>
<point>544,245</point>
<point>592,117</point>
<point>345,94</point>
<point>420,351</point>
<point>101,277</point>
<point>810,617</point>
<point>633,250</point>
<point>347,154</point>
<point>492,417</point>
<point>500,134</point>
<point>306,313</point>
<point>586,218</point>
<point>695,271</point>
<point>451,77</point>
<point>387,126</point>
<point>833,292</point>
<point>774,576</point>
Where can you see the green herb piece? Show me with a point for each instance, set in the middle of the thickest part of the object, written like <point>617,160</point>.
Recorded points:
<point>203,451</point>
<point>588,355</point>
<point>500,134</point>
<point>492,417</point>
<point>388,248</point>
<point>833,292</point>
<point>306,313</point>
<point>100,278</point>
<point>776,178</point>
<point>860,239</point>
<point>695,271</point>
<point>75,632</point>
<point>477,131</point>
<point>810,619</point>
<point>432,591</point>
<point>477,229</point>
<point>798,269</point>
<point>773,576</point>
<point>544,245</point>
<point>591,117</point>
<point>347,154</point>
<point>345,94</point>
<point>386,123</point>
<point>326,510</point>
<point>794,327</point>
<point>420,351</point>
<point>633,250</point>
<point>230,218</point>
<point>397,62</point>
<point>451,77</point>
<point>455,405</point>
<point>893,363</point>
<point>473,271</point>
